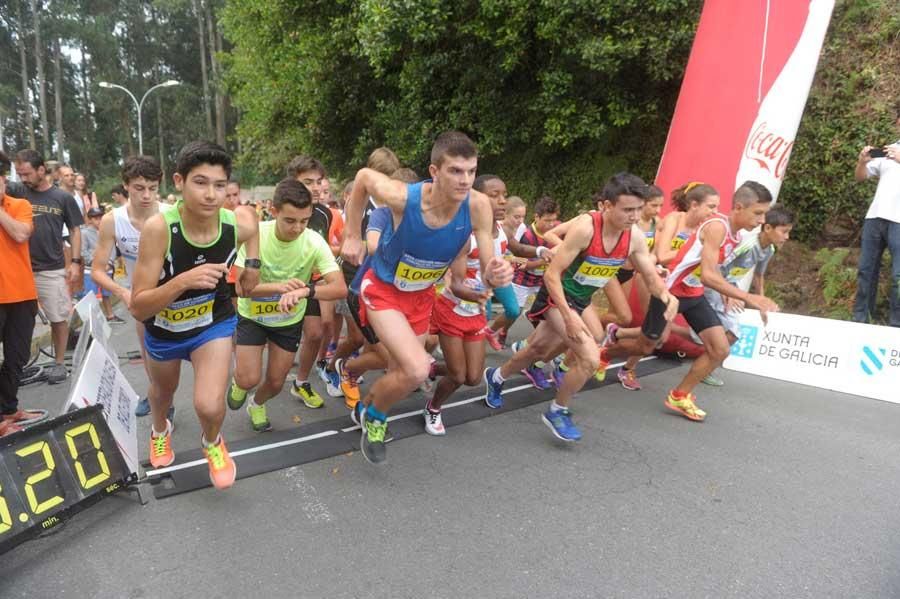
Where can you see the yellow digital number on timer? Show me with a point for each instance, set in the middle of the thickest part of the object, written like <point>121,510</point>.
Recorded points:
<point>5,518</point>
<point>86,482</point>
<point>33,504</point>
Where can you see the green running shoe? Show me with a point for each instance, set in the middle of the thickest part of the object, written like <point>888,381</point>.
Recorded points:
<point>712,381</point>
<point>258,419</point>
<point>307,395</point>
<point>372,439</point>
<point>236,396</point>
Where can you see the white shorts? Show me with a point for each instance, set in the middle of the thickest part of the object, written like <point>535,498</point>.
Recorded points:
<point>53,293</point>
<point>525,295</point>
<point>729,320</point>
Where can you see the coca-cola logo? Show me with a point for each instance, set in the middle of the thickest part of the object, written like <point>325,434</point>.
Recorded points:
<point>769,150</point>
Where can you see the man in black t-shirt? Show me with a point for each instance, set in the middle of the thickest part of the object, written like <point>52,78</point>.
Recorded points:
<point>52,209</point>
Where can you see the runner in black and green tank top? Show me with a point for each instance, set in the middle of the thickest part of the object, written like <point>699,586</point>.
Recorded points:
<point>195,310</point>
<point>179,290</point>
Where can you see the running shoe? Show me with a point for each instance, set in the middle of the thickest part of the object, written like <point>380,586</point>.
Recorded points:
<point>115,320</point>
<point>560,422</point>
<point>518,346</point>
<point>490,335</point>
<point>222,470</point>
<point>686,407</point>
<point>236,396</point>
<point>161,454</point>
<point>258,418</point>
<point>493,397</point>
<point>356,413</point>
<point>600,373</point>
<point>142,408</point>
<point>307,395</point>
<point>610,338</point>
<point>349,386</point>
<point>712,380</point>
<point>537,377</point>
<point>559,372</point>
<point>333,386</point>
<point>501,336</point>
<point>320,370</point>
<point>56,374</point>
<point>629,379</point>
<point>433,423</point>
<point>329,351</point>
<point>371,441</point>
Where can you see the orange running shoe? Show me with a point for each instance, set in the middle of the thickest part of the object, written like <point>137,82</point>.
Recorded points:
<point>222,470</point>
<point>349,384</point>
<point>161,454</point>
<point>685,406</point>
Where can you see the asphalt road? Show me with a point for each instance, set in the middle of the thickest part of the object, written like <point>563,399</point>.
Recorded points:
<point>785,491</point>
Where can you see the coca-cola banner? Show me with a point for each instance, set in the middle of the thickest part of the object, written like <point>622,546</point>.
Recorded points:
<point>743,93</point>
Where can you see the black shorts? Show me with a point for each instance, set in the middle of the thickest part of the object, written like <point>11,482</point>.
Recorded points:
<point>367,331</point>
<point>655,319</point>
<point>250,332</point>
<point>698,313</point>
<point>543,302</point>
<point>624,275</point>
<point>312,308</point>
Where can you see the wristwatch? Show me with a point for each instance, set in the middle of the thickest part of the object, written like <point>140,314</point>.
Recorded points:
<point>77,261</point>
<point>254,263</point>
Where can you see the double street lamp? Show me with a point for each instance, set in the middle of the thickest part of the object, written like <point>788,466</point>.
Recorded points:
<point>140,105</point>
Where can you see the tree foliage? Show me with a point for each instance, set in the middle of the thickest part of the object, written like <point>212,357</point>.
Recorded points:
<point>556,93</point>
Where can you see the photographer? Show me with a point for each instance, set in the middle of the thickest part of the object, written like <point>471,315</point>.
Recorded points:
<point>18,305</point>
<point>881,228</point>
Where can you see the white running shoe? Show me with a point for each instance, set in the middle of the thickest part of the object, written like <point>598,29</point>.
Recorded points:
<point>433,423</point>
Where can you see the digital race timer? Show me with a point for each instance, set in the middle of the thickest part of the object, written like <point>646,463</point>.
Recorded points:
<point>54,469</point>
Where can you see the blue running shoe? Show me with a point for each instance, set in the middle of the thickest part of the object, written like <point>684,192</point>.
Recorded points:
<point>560,422</point>
<point>143,408</point>
<point>558,375</point>
<point>333,386</point>
<point>537,377</point>
<point>493,398</point>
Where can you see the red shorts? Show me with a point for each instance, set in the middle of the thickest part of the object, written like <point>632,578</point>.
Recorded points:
<point>447,322</point>
<point>414,305</point>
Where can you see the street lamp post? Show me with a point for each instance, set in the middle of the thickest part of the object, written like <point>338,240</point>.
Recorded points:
<point>140,105</point>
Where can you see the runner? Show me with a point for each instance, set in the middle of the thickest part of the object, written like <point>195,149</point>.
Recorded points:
<point>697,267</point>
<point>581,265</point>
<point>232,201</point>
<point>121,229</point>
<point>311,173</point>
<point>458,318</point>
<point>433,221</point>
<point>272,316</point>
<point>752,254</point>
<point>187,311</point>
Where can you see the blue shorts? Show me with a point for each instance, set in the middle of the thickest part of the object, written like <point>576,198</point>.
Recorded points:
<point>91,287</point>
<point>163,350</point>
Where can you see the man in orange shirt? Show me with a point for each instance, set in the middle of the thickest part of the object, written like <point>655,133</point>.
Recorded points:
<point>18,305</point>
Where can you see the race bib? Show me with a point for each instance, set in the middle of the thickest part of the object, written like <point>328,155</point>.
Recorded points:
<point>679,240</point>
<point>414,274</point>
<point>187,314</point>
<point>737,272</point>
<point>693,279</point>
<point>264,310</point>
<point>597,272</point>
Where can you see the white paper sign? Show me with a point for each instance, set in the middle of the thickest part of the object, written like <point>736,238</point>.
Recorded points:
<point>100,381</point>
<point>850,357</point>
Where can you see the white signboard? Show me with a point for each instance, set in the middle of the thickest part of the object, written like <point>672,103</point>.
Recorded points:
<point>854,358</point>
<point>100,381</point>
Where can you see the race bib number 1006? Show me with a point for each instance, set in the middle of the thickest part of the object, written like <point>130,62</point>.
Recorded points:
<point>414,274</point>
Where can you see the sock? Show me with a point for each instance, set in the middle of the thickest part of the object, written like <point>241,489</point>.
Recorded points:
<point>206,443</point>
<point>604,355</point>
<point>678,394</point>
<point>253,402</point>
<point>373,414</point>
<point>153,432</point>
<point>299,384</point>
<point>497,377</point>
<point>555,407</point>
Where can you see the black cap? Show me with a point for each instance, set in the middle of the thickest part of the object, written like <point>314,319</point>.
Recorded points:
<point>95,212</point>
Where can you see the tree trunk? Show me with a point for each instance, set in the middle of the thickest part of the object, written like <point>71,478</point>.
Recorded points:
<point>159,136</point>
<point>26,98</point>
<point>217,84</point>
<point>88,121</point>
<point>57,101</point>
<point>198,9</point>
<point>42,80</point>
<point>221,96</point>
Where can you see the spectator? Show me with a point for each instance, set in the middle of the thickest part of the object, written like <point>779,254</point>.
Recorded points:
<point>881,229</point>
<point>90,234</point>
<point>232,195</point>
<point>18,305</point>
<point>52,209</point>
<point>119,195</point>
<point>87,199</point>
